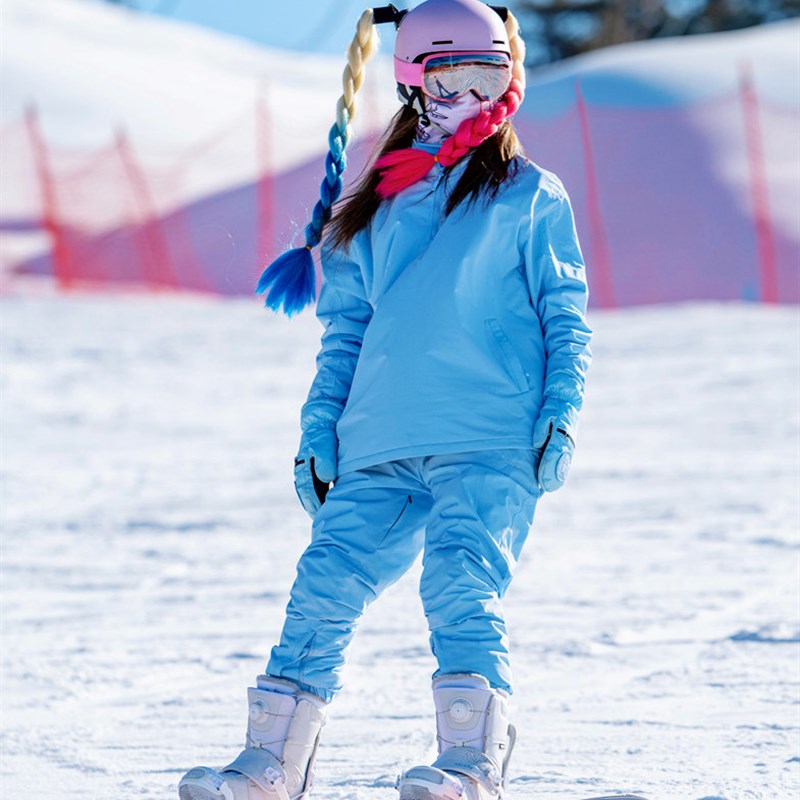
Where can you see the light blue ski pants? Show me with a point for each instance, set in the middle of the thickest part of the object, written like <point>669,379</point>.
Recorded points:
<point>468,513</point>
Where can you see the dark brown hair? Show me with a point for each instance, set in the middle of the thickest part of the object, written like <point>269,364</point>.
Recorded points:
<point>490,165</point>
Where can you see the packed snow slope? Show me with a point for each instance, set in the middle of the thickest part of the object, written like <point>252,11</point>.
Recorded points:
<point>150,534</point>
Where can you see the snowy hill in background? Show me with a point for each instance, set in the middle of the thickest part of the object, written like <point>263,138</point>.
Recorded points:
<point>679,155</point>
<point>675,71</point>
<point>91,69</point>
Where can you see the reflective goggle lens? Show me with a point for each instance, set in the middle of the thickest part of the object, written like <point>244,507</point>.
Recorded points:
<point>450,76</point>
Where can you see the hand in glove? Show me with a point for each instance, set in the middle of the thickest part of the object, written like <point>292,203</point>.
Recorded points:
<point>554,440</point>
<point>315,466</point>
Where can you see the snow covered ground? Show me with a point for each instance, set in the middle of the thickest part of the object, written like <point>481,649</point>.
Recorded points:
<point>150,531</point>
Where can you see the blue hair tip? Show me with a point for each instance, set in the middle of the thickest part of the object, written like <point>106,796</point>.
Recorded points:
<point>289,282</point>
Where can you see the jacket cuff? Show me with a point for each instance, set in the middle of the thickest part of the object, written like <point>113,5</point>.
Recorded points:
<point>319,414</point>
<point>564,387</point>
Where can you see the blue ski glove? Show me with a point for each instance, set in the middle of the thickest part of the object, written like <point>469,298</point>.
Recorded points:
<point>315,466</point>
<point>554,440</point>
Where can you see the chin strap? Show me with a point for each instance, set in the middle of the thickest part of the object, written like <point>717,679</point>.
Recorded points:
<point>411,96</point>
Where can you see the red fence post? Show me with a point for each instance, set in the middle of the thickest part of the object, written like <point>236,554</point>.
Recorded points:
<point>600,260</point>
<point>51,220</point>
<point>157,267</point>
<point>759,191</point>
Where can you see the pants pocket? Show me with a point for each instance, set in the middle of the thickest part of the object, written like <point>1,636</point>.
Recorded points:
<point>406,504</point>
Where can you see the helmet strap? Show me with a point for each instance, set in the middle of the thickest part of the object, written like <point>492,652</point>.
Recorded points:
<point>380,16</point>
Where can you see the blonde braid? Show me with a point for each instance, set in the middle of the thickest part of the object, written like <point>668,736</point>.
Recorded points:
<point>517,49</point>
<point>290,280</point>
<point>361,49</point>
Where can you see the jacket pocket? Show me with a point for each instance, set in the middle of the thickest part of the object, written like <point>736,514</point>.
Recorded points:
<point>507,356</point>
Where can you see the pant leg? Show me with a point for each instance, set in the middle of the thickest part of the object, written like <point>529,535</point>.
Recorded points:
<point>483,506</point>
<point>367,534</point>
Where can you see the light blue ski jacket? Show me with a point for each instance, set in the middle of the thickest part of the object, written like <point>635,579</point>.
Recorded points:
<point>445,335</point>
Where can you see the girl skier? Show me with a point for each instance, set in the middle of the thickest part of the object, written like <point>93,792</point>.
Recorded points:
<point>446,400</point>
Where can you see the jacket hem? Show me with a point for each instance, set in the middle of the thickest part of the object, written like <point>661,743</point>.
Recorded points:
<point>444,448</point>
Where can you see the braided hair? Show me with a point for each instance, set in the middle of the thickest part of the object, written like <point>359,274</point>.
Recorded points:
<point>290,281</point>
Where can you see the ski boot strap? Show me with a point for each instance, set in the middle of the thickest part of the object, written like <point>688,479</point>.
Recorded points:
<point>429,782</point>
<point>264,769</point>
<point>472,764</point>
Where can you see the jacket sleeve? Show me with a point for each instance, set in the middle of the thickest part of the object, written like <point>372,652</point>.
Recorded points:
<point>557,282</point>
<point>344,311</point>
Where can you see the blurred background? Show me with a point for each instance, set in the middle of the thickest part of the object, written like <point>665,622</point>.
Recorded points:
<point>177,145</point>
<point>155,155</point>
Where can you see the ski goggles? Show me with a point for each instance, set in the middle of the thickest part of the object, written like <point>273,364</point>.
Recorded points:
<point>448,76</point>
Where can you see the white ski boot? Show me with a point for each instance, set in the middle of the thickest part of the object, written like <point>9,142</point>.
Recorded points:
<point>475,742</point>
<point>282,737</point>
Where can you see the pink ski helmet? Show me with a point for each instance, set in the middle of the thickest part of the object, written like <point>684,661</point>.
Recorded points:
<point>446,26</point>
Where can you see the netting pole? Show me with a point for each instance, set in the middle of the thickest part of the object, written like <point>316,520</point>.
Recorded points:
<point>759,191</point>
<point>157,268</point>
<point>51,219</point>
<point>265,185</point>
<point>600,260</point>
